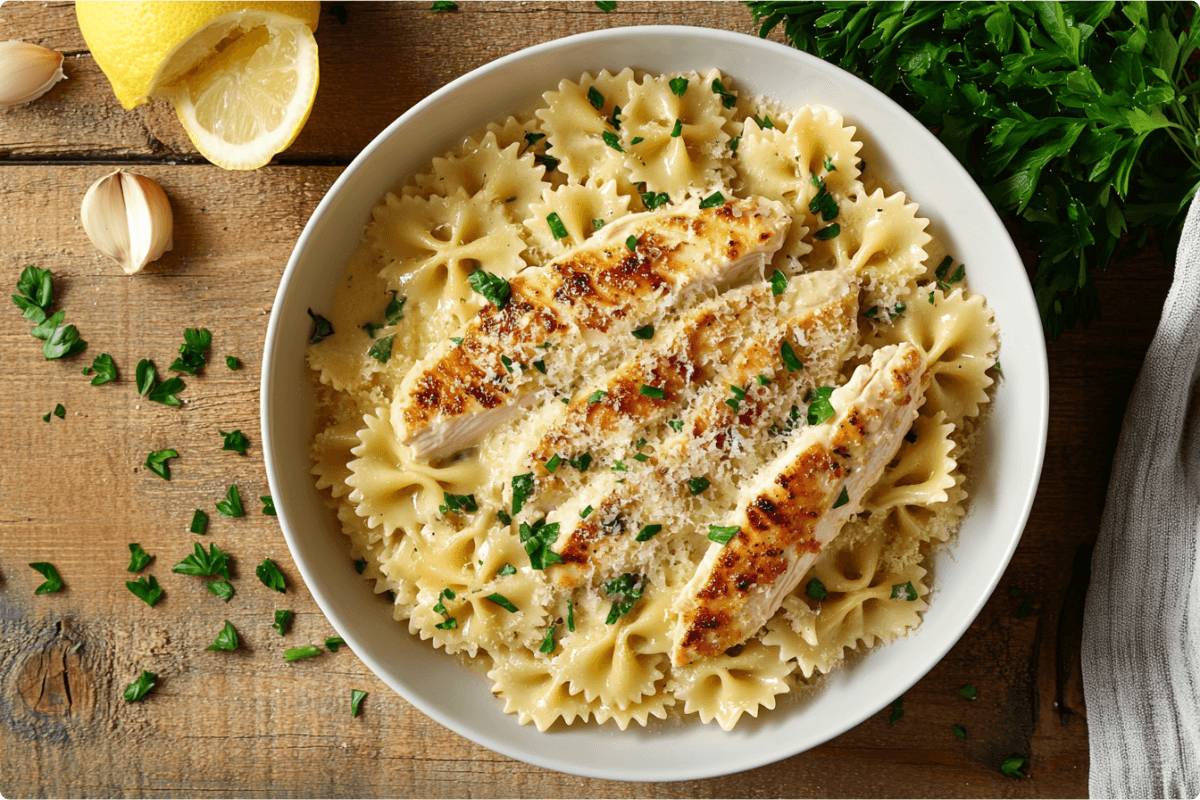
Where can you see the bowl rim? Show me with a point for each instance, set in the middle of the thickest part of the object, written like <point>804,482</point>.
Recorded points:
<point>666,772</point>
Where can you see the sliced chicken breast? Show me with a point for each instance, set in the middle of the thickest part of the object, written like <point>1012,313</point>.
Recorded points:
<point>798,504</point>
<point>630,272</point>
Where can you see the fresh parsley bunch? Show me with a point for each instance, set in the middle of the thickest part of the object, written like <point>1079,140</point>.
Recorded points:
<point>1078,120</point>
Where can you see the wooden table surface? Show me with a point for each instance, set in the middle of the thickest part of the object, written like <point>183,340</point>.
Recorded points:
<point>73,491</point>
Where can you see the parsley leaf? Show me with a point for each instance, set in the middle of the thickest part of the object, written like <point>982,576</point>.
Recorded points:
<point>790,359</point>
<point>359,565</point>
<point>778,284</point>
<point>105,369</point>
<point>968,691</point>
<point>595,98</point>
<point>675,425</point>
<point>235,442</point>
<point>597,396</point>
<point>227,639</point>
<point>537,539</point>
<point>60,411</point>
<point>196,342</point>
<point>334,642</point>
<point>648,532</point>
<point>904,591</point>
<point>897,711</point>
<point>842,499</point>
<point>698,485</point>
<point>548,644</point>
<point>297,653</point>
<point>557,229</point>
<point>233,362</point>
<point>356,698</point>
<point>283,620</point>
<point>141,687</point>
<point>138,558</point>
<point>959,731</point>
<point>270,576</point>
<point>679,86</point>
<point>147,376</point>
<point>166,392</point>
<point>612,141</point>
<point>199,522</point>
<point>824,203</point>
<point>653,201</point>
<point>631,243</point>
<point>493,288</point>
<point>584,514</point>
<point>231,506</point>
<point>570,616</point>
<point>713,200</point>
<point>653,392</point>
<point>507,569</point>
<point>645,333</point>
<point>727,97</point>
<point>522,489</point>
<point>815,589</point>
<point>322,328</point>
<point>268,506</point>
<point>37,287</point>
<point>213,562</point>
<point>677,131</point>
<point>503,602</point>
<point>63,342</point>
<point>819,407</point>
<point>722,534</point>
<point>222,589</point>
<point>828,232</point>
<point>156,462</point>
<point>624,592</point>
<point>458,504</point>
<point>146,588</point>
<point>381,349</point>
<point>1012,766</point>
<point>443,6</point>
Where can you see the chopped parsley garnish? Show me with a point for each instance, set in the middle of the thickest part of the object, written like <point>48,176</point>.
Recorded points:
<point>547,161</point>
<point>823,203</point>
<point>507,569</point>
<point>503,517</point>
<point>381,349</point>
<point>959,731</point>
<point>733,144</point>
<point>226,640</point>
<point>105,369</point>
<point>612,141</point>
<point>443,6</point>
<point>968,691</point>
<point>297,653</point>
<point>698,485</point>
<point>507,362</point>
<point>722,533</point>
<point>653,392</point>
<point>552,464</point>
<point>648,532</point>
<point>897,711</point>
<point>503,602</point>
<point>597,224</point>
<point>931,298</point>
<point>439,607</point>
<point>334,642</point>
<point>645,333</point>
<point>677,131</point>
<point>268,506</point>
<point>763,380</point>
<point>943,281</point>
<point>235,442</point>
<point>146,375</point>
<point>283,620</point>
<point>606,5</point>
<point>1012,767</point>
<point>570,616</point>
<point>199,522</point>
<point>584,514</point>
<point>790,359</point>
<point>356,698</point>
<point>678,86</point>
<point>557,229</point>
<point>35,294</point>
<point>458,504</point>
<point>631,243</point>
<point>615,120</point>
<point>166,392</point>
<point>493,288</point>
<point>533,138</point>
<point>141,687</point>
<point>213,562</point>
<point>268,572</point>
<point>1025,609</point>
<point>522,489</point>
<point>624,591</point>
<point>727,97</point>
<point>359,565</point>
<point>222,589</point>
<point>778,283</point>
<point>597,396</point>
<point>815,589</point>
<point>619,466</point>
<point>196,342</point>
<point>904,591</point>
<point>637,140</point>
<point>641,457</point>
<point>537,539</point>
<point>828,232</point>
<point>231,506</point>
<point>233,362</point>
<point>145,588</point>
<point>456,339</point>
<point>548,644</point>
<point>156,462</point>
<point>595,98</point>
<point>675,425</point>
<point>819,407</point>
<point>653,201</point>
<point>764,123</point>
<point>713,200</point>
<point>582,463</point>
<point>138,558</point>
<point>842,499</point>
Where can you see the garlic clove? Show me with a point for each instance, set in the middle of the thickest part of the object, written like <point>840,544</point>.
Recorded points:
<point>128,218</point>
<point>27,72</point>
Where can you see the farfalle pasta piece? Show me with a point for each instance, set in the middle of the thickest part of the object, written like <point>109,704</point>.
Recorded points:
<point>578,212</point>
<point>727,686</point>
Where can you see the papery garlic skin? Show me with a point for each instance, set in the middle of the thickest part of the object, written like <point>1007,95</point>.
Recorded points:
<point>128,218</point>
<point>27,71</point>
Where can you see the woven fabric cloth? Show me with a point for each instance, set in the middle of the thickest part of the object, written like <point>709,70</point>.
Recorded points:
<point>1141,632</point>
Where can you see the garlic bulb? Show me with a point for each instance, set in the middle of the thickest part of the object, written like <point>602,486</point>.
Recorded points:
<point>128,218</point>
<point>27,72</point>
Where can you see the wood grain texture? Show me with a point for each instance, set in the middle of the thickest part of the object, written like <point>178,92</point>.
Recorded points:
<point>73,491</point>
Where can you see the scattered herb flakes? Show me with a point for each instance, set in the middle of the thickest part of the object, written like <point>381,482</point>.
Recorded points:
<point>105,369</point>
<point>779,285</point>
<point>615,121</point>
<point>648,532</point>
<point>944,280</point>
<point>824,203</point>
<point>283,620</point>
<point>60,411</point>
<point>698,485</point>
<point>192,353</point>
<point>677,131</point>
<point>297,653</point>
<point>653,392</point>
<point>222,589</point>
<point>606,5</point>
<point>959,731</point>
<point>522,488</point>
<point>570,616</point>
<point>713,200</point>
<point>631,243</point>
<point>141,687</point>
<point>828,232</point>
<point>268,506</point>
<point>227,639</point>
<point>1025,609</point>
<point>619,466</point>
<point>1012,766</point>
<point>503,602</point>
<point>552,464</point>
<point>507,362</point>
<point>381,349</point>
<point>146,376</point>
<point>440,608</point>
<point>458,504</point>
<point>233,362</point>
<point>763,380</point>
<point>819,407</point>
<point>504,517</point>
<point>35,293</point>
<point>584,514</point>
<point>156,462</point>
<point>199,522</point>
<point>557,229</point>
<point>764,123</point>
<point>842,499</point>
<point>654,201</point>
<point>359,565</point>
<point>166,392</point>
<point>595,98</point>
<point>679,86</point>
<point>675,425</point>
<point>145,588</point>
<point>968,691</point>
<point>637,140</point>
<point>722,533</point>
<point>235,442</point>
<point>624,592</point>
<point>613,141</point>
<point>46,417</point>
<point>231,506</point>
<point>443,7</point>
<point>356,698</point>
<point>597,396</point>
<point>507,569</point>
<point>733,144</point>
<point>322,328</point>
<point>790,359</point>
<point>268,572</point>
<point>582,463</point>
<point>727,97</point>
<point>537,539</point>
<point>904,591</point>
<point>212,562</point>
<point>332,643</point>
<point>815,589</point>
<point>597,224</point>
<point>897,711</point>
<point>645,333</point>
<point>548,644</point>
<point>493,288</point>
<point>138,558</point>
<point>546,160</point>
<point>45,329</point>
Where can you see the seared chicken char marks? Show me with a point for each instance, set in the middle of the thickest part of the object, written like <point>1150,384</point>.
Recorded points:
<point>795,506</point>
<point>585,298</point>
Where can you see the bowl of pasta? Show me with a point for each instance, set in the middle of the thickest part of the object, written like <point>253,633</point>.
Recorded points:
<point>635,410</point>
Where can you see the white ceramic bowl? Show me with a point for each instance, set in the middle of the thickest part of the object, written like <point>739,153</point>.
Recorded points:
<point>1009,456</point>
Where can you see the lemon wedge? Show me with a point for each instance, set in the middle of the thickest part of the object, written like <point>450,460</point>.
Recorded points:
<point>242,76</point>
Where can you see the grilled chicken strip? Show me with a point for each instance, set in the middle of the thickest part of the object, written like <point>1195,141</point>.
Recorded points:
<point>818,316</point>
<point>598,291</point>
<point>797,505</point>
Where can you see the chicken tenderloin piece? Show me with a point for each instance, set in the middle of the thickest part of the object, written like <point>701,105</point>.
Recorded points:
<point>797,505</point>
<point>627,274</point>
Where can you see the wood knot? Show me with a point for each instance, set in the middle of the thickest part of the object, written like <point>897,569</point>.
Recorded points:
<point>52,681</point>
